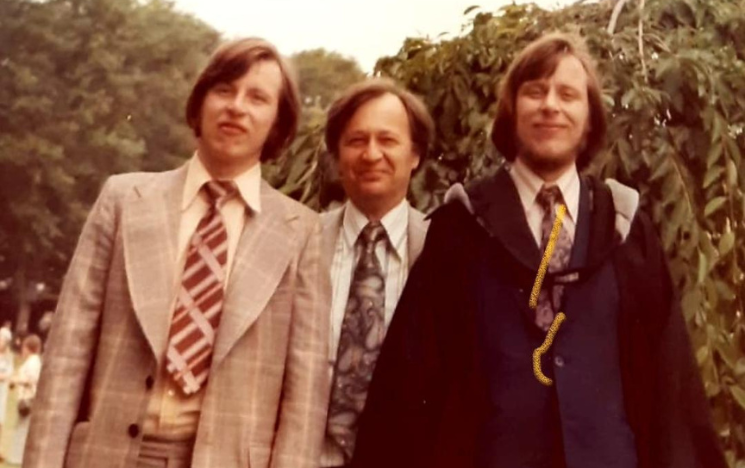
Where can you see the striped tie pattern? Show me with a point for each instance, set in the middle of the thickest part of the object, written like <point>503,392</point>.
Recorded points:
<point>200,297</point>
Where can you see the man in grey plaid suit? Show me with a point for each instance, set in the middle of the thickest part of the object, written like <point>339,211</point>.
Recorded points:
<point>192,325</point>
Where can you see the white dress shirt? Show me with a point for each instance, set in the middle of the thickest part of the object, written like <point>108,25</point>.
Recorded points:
<point>393,257</point>
<point>394,260</point>
<point>194,205</point>
<point>170,414</point>
<point>528,184</point>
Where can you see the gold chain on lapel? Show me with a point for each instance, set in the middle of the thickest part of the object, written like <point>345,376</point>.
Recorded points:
<point>560,317</point>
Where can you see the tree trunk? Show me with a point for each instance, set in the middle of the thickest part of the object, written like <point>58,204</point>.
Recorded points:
<point>20,281</point>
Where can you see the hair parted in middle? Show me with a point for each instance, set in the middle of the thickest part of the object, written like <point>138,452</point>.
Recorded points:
<point>231,61</point>
<point>540,60</point>
<point>421,125</point>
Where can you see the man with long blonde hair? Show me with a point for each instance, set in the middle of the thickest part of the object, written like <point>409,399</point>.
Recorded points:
<point>539,328</point>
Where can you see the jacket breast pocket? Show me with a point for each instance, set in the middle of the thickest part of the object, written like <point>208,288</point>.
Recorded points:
<point>76,447</point>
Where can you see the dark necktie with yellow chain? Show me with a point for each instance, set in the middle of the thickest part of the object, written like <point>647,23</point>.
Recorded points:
<point>549,300</point>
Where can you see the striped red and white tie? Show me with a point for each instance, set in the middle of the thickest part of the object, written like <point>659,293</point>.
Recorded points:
<point>200,296</point>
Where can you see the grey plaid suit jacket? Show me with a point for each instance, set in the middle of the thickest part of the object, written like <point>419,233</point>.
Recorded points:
<point>266,399</point>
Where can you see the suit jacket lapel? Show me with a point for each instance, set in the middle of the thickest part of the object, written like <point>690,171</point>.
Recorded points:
<point>498,204</point>
<point>331,221</point>
<point>150,224</point>
<point>262,256</point>
<point>417,232</point>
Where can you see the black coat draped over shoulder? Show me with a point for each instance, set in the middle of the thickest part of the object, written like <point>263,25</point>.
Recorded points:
<point>428,396</point>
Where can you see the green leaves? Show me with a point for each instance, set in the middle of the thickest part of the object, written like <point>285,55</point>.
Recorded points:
<point>86,92</point>
<point>713,205</point>
<point>726,243</point>
<point>470,9</point>
<point>739,395</point>
<point>323,74</point>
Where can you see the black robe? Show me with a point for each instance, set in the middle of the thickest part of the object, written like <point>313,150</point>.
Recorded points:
<point>428,396</point>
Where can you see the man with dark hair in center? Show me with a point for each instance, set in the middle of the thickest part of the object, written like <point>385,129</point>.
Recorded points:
<point>378,133</point>
<point>489,363</point>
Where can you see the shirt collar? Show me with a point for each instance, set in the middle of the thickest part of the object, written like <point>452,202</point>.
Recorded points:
<point>528,185</point>
<point>395,223</point>
<point>248,183</point>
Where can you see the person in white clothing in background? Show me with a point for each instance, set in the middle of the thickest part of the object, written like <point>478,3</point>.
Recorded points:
<point>25,382</point>
<point>6,372</point>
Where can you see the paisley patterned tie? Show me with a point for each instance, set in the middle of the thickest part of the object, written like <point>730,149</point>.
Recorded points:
<point>362,333</point>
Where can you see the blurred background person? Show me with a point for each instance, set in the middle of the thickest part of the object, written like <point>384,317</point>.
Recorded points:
<point>6,332</point>
<point>25,382</point>
<point>6,372</point>
<point>45,324</point>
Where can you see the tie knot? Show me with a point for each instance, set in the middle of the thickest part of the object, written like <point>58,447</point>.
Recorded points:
<point>548,197</point>
<point>220,191</point>
<point>372,233</point>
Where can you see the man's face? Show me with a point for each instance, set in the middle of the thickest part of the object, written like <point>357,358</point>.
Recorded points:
<point>552,116</point>
<point>236,117</point>
<point>376,154</point>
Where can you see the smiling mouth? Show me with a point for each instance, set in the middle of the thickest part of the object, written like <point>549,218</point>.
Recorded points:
<point>549,126</point>
<point>232,128</point>
<point>371,174</point>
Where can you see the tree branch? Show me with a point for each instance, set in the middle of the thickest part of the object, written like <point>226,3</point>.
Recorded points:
<point>614,16</point>
<point>641,38</point>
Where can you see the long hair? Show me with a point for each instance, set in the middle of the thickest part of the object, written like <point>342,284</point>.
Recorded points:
<point>231,61</point>
<point>539,60</point>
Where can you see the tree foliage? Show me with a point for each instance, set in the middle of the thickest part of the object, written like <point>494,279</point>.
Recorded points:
<point>88,88</point>
<point>323,74</point>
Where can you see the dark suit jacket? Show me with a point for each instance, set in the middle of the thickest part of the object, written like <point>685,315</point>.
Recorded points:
<point>428,398</point>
